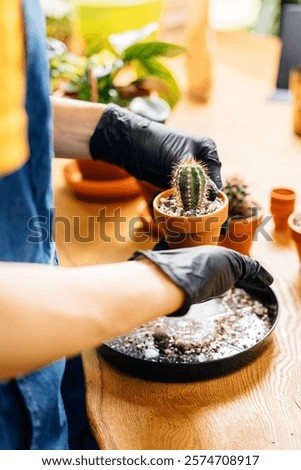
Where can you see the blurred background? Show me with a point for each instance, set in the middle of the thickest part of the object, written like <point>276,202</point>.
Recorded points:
<point>227,69</point>
<point>161,51</point>
<point>96,52</point>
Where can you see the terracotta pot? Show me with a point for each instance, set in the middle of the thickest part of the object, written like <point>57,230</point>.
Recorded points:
<point>182,231</point>
<point>240,232</point>
<point>95,181</point>
<point>295,232</point>
<point>282,203</point>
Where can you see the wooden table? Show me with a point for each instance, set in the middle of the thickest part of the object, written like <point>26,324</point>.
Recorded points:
<point>259,406</point>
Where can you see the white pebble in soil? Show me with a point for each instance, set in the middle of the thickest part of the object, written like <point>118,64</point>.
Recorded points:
<point>170,207</point>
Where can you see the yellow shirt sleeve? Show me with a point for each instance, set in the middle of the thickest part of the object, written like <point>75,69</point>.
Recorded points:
<point>13,119</point>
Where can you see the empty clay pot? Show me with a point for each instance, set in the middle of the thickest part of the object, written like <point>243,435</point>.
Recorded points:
<point>294,222</point>
<point>282,204</point>
<point>95,181</point>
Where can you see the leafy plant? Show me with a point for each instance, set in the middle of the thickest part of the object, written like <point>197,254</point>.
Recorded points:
<point>120,74</point>
<point>189,179</point>
<point>66,71</point>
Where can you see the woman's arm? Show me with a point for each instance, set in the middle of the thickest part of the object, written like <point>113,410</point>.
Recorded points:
<point>50,312</point>
<point>74,122</point>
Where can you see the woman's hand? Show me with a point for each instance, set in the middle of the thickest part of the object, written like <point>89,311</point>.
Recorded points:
<point>148,150</point>
<point>206,272</point>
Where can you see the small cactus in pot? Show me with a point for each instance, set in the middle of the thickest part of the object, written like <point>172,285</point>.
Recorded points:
<point>245,215</point>
<point>239,197</point>
<point>190,181</point>
<point>184,212</point>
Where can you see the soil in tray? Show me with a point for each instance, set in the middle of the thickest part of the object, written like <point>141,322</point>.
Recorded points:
<point>209,331</point>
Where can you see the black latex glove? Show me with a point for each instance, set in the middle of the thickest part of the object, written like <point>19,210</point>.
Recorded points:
<point>206,272</point>
<point>148,150</point>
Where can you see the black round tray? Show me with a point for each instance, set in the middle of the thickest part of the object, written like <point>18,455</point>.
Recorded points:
<point>188,372</point>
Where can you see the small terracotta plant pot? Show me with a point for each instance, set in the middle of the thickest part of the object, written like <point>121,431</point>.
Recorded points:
<point>96,181</point>
<point>188,231</point>
<point>241,231</point>
<point>294,222</point>
<point>282,204</point>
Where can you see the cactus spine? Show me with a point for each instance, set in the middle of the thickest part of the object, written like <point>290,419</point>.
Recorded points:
<point>189,179</point>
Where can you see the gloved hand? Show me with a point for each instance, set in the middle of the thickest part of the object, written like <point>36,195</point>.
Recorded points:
<point>206,272</point>
<point>148,150</point>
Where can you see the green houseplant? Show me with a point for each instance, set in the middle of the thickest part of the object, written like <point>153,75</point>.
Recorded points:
<point>184,213</point>
<point>121,74</point>
<point>243,219</point>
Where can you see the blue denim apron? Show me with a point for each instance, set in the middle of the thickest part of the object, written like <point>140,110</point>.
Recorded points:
<point>32,415</point>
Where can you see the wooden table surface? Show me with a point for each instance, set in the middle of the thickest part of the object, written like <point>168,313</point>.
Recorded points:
<point>259,406</point>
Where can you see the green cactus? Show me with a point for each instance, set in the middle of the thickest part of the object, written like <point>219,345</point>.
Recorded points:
<point>189,179</point>
<point>237,191</point>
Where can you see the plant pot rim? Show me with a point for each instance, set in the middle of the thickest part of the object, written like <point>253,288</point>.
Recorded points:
<point>283,194</point>
<point>168,192</point>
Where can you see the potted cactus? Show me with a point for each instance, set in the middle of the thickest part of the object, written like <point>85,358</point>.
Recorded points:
<point>184,213</point>
<point>244,217</point>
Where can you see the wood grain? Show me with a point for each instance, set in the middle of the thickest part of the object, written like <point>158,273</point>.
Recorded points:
<point>259,406</point>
